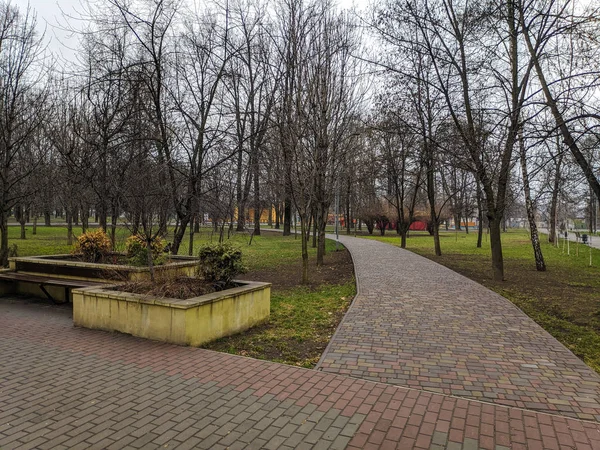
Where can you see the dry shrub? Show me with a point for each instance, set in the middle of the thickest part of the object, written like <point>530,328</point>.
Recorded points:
<point>93,246</point>
<point>166,286</point>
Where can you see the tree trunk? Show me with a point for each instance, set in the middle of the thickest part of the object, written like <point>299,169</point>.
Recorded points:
<point>321,225</point>
<point>241,216</point>
<point>102,217</point>
<point>436,238</point>
<point>257,205</point>
<point>431,198</point>
<point>348,218</point>
<point>47,219</point>
<point>69,219</point>
<point>303,232</point>
<point>180,233</point>
<point>257,212</point>
<point>3,238</point>
<point>113,226</point>
<point>85,219</point>
<point>191,240</point>
<point>150,261</point>
<point>479,214</point>
<point>321,244</point>
<point>314,228</point>
<point>403,233</point>
<point>35,219</point>
<point>135,226</point>
<point>496,246</point>
<point>287,217</point>
<point>540,265</point>
<point>277,214</point>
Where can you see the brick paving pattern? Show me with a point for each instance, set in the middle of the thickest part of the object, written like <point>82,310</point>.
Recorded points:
<point>418,324</point>
<point>65,387</point>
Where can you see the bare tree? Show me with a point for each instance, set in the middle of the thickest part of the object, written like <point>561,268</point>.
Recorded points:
<point>23,108</point>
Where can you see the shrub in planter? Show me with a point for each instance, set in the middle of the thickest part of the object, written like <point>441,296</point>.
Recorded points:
<point>137,250</point>
<point>220,263</point>
<point>93,246</point>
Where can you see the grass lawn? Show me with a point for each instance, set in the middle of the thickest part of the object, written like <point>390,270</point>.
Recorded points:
<point>564,300</point>
<point>303,318</point>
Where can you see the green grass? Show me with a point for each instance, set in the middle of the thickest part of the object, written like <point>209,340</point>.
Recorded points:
<point>301,324</point>
<point>267,250</point>
<point>564,300</point>
<point>303,318</point>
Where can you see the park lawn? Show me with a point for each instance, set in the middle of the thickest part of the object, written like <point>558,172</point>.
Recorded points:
<point>303,318</point>
<point>564,300</point>
<point>270,250</point>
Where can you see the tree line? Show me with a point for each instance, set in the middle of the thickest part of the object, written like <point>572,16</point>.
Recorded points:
<point>412,109</point>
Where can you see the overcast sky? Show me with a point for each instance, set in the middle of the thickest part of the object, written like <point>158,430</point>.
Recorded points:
<point>50,19</point>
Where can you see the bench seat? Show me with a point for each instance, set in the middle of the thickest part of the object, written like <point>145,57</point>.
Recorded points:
<point>42,282</point>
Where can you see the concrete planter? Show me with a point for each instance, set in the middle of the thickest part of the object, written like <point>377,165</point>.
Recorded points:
<point>193,322</point>
<point>63,266</point>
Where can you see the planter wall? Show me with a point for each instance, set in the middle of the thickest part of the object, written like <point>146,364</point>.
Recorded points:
<point>62,266</point>
<point>186,322</point>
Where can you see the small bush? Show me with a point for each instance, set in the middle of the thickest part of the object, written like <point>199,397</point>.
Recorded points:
<point>137,250</point>
<point>93,246</point>
<point>220,263</point>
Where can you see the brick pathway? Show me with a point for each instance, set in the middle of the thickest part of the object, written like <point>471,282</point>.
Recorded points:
<point>65,387</point>
<point>418,324</point>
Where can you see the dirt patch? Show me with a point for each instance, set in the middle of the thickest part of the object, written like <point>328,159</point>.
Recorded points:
<point>303,317</point>
<point>337,269</point>
<point>181,288</point>
<point>555,293</point>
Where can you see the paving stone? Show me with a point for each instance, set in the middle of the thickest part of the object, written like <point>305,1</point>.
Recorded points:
<point>418,324</point>
<point>61,381</point>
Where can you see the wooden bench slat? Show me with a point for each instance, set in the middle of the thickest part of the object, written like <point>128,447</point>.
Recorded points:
<point>47,281</point>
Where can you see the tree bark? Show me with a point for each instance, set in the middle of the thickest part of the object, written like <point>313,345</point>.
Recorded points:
<point>3,238</point>
<point>540,265</point>
<point>479,214</point>
<point>321,225</point>
<point>496,246</point>
<point>113,225</point>
<point>304,233</point>
<point>431,198</point>
<point>69,219</point>
<point>552,236</point>
<point>241,216</point>
<point>191,238</point>
<point>315,221</point>
<point>180,233</point>
<point>287,217</point>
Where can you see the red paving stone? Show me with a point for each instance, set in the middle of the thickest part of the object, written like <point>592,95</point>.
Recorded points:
<point>418,324</point>
<point>66,387</point>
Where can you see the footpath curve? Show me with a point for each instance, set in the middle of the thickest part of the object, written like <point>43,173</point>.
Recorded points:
<point>418,324</point>
<point>66,387</point>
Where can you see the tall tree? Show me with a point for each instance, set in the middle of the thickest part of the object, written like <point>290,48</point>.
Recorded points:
<point>23,109</point>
